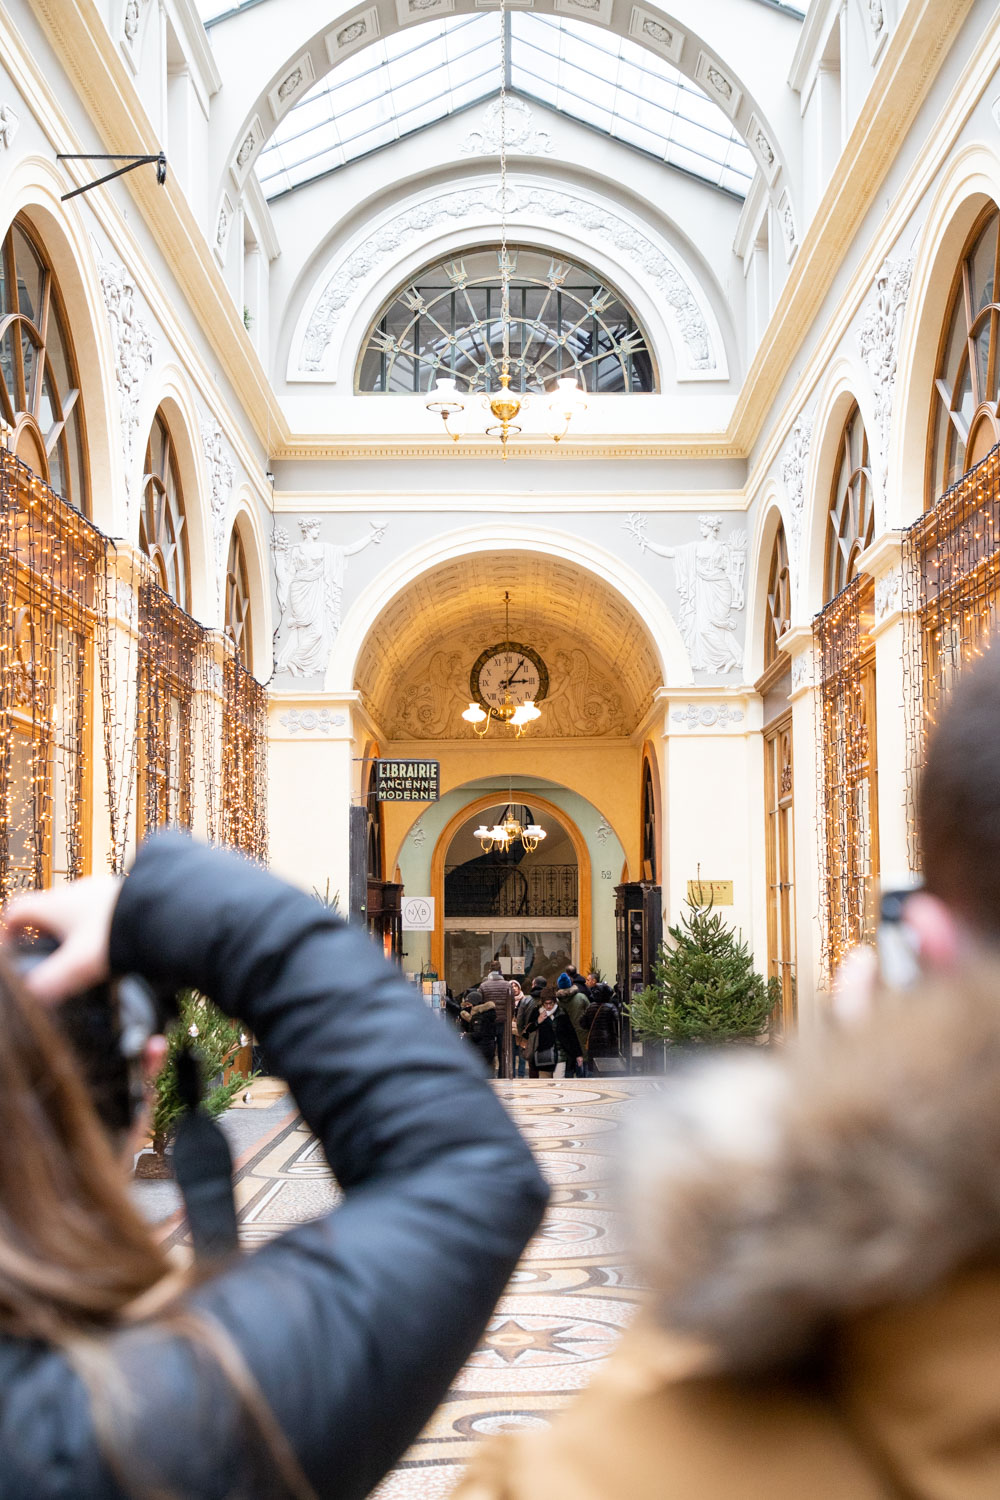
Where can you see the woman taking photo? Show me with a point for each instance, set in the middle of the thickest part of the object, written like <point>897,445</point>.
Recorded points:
<point>306,1368</point>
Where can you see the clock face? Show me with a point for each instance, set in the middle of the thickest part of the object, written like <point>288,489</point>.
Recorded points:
<point>511,668</point>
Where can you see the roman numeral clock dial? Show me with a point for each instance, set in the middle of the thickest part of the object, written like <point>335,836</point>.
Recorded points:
<point>511,669</point>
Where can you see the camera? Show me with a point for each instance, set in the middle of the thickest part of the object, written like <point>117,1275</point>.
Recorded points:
<point>107,1027</point>
<point>898,952</point>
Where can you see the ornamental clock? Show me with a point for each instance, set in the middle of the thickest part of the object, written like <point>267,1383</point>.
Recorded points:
<point>508,668</point>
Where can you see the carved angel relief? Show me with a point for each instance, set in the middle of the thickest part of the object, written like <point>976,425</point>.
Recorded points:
<point>709,577</point>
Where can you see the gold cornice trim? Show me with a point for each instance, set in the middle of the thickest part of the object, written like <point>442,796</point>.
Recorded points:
<point>80,39</point>
<point>319,446</point>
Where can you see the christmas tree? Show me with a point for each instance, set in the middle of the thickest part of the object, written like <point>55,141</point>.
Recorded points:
<point>705,987</point>
<point>216,1040</point>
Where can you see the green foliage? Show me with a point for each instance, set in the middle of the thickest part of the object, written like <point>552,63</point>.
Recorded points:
<point>705,988</point>
<point>218,1038</point>
<point>594,969</point>
<point>332,903</point>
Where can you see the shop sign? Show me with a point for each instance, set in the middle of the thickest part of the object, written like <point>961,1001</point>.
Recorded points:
<point>418,916</point>
<point>710,892</point>
<point>407,780</point>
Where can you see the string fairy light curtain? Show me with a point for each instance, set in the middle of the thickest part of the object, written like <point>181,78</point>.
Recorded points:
<point>951,602</point>
<point>846,770</point>
<point>244,755</point>
<point>52,571</point>
<point>170,648</point>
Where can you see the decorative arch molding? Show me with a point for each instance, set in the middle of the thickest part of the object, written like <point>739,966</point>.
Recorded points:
<point>747,95</point>
<point>973,181</point>
<point>170,393</point>
<point>667,294</point>
<point>770,516</point>
<point>243,517</point>
<point>847,384</point>
<point>671,653</point>
<point>33,189</point>
<point>538,804</point>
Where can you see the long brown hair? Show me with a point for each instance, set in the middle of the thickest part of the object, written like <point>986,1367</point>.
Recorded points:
<point>76,1257</point>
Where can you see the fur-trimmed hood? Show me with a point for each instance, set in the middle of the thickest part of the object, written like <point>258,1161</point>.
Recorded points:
<point>774,1192</point>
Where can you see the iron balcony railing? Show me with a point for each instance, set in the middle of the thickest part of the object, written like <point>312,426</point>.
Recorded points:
<point>506,891</point>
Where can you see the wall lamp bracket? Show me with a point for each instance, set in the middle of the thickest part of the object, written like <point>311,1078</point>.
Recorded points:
<point>131,162</point>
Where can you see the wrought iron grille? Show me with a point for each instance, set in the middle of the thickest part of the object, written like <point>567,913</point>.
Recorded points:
<point>563,321</point>
<point>508,891</point>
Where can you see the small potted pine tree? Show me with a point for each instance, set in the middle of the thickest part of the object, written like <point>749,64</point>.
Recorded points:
<point>217,1040</point>
<point>705,988</point>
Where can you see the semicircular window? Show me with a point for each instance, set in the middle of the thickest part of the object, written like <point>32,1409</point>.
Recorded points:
<point>564,320</point>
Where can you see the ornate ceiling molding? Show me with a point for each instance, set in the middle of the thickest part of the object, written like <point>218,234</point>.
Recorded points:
<point>350,276</point>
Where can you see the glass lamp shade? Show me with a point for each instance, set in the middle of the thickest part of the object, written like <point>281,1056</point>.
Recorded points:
<point>534,831</point>
<point>444,397</point>
<point>474,714</point>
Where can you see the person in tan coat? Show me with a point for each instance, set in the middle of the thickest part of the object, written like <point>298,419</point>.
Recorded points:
<point>820,1235</point>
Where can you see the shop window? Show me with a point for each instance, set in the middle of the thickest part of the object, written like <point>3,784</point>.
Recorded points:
<point>964,425</point>
<point>238,620</point>
<point>39,388</point>
<point>779,600</point>
<point>162,530</point>
<point>851,525</point>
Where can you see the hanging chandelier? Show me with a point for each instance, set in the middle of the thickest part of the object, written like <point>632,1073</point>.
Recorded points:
<point>495,673</point>
<point>507,408</point>
<point>508,831</point>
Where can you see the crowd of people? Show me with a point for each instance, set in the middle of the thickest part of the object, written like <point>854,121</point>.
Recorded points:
<point>573,1027</point>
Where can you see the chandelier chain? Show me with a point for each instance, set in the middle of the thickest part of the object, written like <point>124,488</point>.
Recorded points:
<point>504,257</point>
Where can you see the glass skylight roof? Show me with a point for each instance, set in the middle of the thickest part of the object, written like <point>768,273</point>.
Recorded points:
<point>427,72</point>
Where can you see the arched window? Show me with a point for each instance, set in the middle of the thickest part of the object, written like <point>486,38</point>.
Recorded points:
<point>238,622</point>
<point>39,389</point>
<point>779,602</point>
<point>851,516</point>
<point>564,320</point>
<point>162,533</point>
<point>964,424</point>
<point>649,833</point>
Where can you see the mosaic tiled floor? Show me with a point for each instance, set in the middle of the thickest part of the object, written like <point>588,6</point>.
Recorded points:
<point>565,1306</point>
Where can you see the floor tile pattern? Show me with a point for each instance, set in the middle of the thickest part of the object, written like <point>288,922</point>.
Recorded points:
<point>565,1306</point>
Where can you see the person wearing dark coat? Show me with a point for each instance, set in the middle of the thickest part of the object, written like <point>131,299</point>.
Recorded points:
<point>569,1030</point>
<point>542,1029</point>
<point>307,1367</point>
<point>479,1022</point>
<point>528,1034</point>
<point>601,1026</point>
<point>500,990</point>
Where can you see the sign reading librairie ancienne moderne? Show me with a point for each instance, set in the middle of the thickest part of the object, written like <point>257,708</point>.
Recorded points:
<point>407,780</point>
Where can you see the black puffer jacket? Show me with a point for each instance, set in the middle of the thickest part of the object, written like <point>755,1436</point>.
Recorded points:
<point>339,1320</point>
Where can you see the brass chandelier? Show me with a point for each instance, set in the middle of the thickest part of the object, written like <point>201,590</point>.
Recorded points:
<point>508,831</point>
<point>507,408</point>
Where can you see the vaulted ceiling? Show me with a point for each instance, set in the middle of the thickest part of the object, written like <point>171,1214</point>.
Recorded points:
<point>414,669</point>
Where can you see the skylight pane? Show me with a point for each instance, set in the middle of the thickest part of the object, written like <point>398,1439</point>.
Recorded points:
<point>417,76</point>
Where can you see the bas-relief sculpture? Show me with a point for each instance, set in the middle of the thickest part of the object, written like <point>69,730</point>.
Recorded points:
<point>878,341</point>
<point>133,350</point>
<point>793,477</point>
<point>310,584</point>
<point>520,133</point>
<point>220,477</point>
<point>708,575</point>
<point>581,700</point>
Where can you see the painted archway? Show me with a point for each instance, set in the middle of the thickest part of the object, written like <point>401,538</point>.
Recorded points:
<point>538,804</point>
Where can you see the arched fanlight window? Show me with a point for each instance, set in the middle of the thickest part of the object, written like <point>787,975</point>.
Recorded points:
<point>238,624</point>
<point>964,424</point>
<point>779,599</point>
<point>564,320</point>
<point>39,388</point>
<point>851,516</point>
<point>162,532</point>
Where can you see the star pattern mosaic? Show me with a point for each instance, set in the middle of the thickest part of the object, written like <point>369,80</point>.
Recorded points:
<point>565,1307</point>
